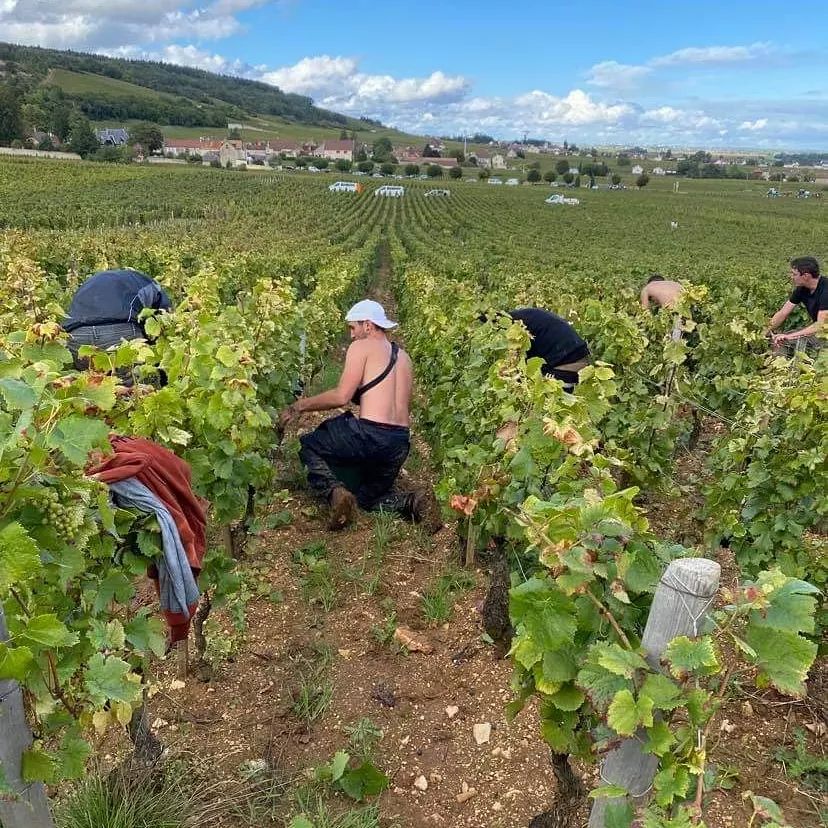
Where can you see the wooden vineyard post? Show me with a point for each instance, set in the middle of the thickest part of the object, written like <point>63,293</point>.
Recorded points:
<point>29,807</point>
<point>683,597</point>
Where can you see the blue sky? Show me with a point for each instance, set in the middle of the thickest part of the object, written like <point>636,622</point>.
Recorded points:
<point>718,75</point>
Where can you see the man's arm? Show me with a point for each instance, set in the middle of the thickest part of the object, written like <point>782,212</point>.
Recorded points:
<point>335,397</point>
<point>781,315</point>
<point>645,297</point>
<point>814,327</point>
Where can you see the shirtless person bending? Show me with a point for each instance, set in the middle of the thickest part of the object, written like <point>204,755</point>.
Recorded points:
<point>660,291</point>
<point>369,450</point>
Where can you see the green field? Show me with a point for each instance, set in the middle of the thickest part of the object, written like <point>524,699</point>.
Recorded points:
<point>366,664</point>
<point>80,83</point>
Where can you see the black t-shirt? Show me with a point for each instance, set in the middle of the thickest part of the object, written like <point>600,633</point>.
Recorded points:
<point>814,302</point>
<point>554,340</point>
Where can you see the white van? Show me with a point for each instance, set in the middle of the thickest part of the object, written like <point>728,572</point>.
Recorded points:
<point>343,187</point>
<point>390,190</point>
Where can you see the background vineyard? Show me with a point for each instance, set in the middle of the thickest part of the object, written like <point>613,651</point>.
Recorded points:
<point>260,268</point>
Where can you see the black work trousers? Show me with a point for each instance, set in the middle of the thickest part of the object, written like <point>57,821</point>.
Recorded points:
<point>363,456</point>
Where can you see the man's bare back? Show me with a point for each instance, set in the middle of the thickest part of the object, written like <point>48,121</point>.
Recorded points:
<point>389,401</point>
<point>663,293</point>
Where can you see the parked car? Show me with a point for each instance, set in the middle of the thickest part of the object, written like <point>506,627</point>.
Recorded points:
<point>557,198</point>
<point>345,187</point>
<point>437,193</point>
<point>390,191</point>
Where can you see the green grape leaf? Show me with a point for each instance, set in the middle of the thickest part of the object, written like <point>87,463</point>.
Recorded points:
<point>526,652</point>
<point>558,728</point>
<point>568,697</point>
<point>110,678</point>
<point>764,807</point>
<point>72,755</point>
<point>783,657</point>
<point>664,693</point>
<point>19,395</point>
<point>37,766</point>
<point>625,714</point>
<point>616,659</point>
<point>48,631</point>
<point>146,634</point>
<point>115,587</point>
<point>693,656</point>
<point>659,739</point>
<point>75,436</point>
<point>700,706</point>
<point>15,662</point>
<point>107,513</point>
<point>792,608</point>
<point>19,557</point>
<point>600,685</point>
<point>671,783</point>
<point>300,821</point>
<point>364,781</point>
<point>338,765</point>
<point>100,394</point>
<point>106,636</point>
<point>560,666</point>
<point>607,791</point>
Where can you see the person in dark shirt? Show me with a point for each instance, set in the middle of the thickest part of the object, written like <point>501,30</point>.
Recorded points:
<point>556,342</point>
<point>810,291</point>
<point>104,311</point>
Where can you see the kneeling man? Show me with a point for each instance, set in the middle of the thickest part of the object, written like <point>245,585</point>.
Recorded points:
<point>354,461</point>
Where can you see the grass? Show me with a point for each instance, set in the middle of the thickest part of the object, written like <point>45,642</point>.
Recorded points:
<point>79,83</point>
<point>384,532</point>
<point>437,602</point>
<point>383,632</point>
<point>316,577</point>
<point>314,812</point>
<point>363,738</point>
<point>131,798</point>
<point>314,690</point>
<point>800,764</point>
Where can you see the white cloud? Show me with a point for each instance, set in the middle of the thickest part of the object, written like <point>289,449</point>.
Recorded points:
<point>98,25</point>
<point>610,74</point>
<point>753,126</point>
<point>576,109</point>
<point>614,75</point>
<point>715,55</point>
<point>321,75</point>
<point>337,83</point>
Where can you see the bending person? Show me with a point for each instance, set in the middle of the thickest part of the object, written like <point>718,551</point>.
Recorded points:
<point>556,342</point>
<point>354,461</point>
<point>661,292</point>
<point>105,308</point>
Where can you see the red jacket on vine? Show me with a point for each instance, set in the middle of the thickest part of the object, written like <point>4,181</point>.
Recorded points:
<point>168,477</point>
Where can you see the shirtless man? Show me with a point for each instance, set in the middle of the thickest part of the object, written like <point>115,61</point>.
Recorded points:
<point>660,291</point>
<point>373,446</point>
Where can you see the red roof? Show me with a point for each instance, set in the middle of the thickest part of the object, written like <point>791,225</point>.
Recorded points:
<point>278,146</point>
<point>184,143</point>
<point>441,162</point>
<point>338,146</point>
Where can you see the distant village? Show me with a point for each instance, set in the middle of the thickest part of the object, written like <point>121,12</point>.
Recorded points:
<point>490,155</point>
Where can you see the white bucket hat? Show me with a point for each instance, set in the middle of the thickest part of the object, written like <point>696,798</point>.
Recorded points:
<point>370,311</point>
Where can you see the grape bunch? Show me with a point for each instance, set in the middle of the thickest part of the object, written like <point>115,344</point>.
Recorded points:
<point>67,519</point>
